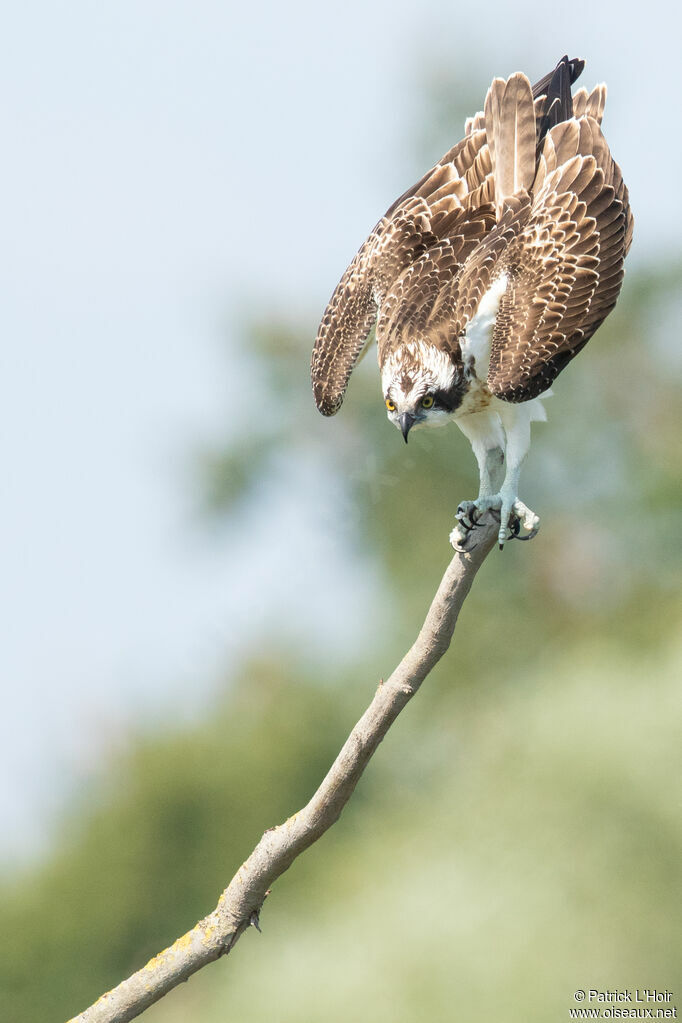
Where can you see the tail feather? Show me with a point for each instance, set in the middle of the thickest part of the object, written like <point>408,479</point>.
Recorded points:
<point>510,131</point>
<point>558,103</point>
<point>573,67</point>
<point>590,105</point>
<point>596,102</point>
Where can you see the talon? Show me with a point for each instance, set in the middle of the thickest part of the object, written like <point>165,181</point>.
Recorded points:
<point>463,519</point>
<point>460,539</point>
<point>468,515</point>
<point>524,518</point>
<point>513,515</point>
<point>529,536</point>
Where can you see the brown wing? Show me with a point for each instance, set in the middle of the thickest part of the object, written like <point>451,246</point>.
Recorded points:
<point>431,212</point>
<point>441,291</point>
<point>551,91</point>
<point>565,268</point>
<point>410,264</point>
<point>410,302</point>
<point>352,309</point>
<point>444,319</point>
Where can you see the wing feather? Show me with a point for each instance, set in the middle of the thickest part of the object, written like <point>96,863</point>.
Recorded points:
<point>511,132</point>
<point>409,304</point>
<point>531,191</point>
<point>418,220</point>
<point>567,261</point>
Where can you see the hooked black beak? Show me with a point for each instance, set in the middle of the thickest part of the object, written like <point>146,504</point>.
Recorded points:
<point>406,422</point>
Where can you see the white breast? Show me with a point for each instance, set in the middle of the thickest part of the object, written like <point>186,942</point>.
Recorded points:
<point>475,344</point>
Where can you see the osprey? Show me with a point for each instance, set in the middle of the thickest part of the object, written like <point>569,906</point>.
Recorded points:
<point>486,278</point>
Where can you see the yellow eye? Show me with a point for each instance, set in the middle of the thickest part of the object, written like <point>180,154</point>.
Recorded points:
<point>427,401</point>
<point>390,405</point>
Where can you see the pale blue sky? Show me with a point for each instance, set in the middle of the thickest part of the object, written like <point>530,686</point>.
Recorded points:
<point>165,167</point>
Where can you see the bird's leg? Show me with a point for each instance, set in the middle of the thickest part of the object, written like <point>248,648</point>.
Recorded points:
<point>487,440</point>
<point>491,472</point>
<point>516,519</point>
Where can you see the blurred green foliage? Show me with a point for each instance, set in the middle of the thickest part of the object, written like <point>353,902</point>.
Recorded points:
<point>519,833</point>
<point>517,836</point>
<point>155,842</point>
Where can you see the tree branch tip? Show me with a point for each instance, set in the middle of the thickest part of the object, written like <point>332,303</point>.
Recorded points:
<point>217,934</point>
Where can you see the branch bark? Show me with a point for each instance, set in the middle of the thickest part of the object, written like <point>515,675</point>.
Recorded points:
<point>240,904</point>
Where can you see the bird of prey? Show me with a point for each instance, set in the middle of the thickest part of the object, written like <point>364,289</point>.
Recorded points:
<point>485,279</point>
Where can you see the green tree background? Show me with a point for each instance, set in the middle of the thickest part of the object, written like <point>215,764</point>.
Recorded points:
<point>519,834</point>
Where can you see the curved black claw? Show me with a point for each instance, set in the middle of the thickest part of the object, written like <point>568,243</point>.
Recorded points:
<point>515,526</point>
<point>529,536</point>
<point>462,535</point>
<point>467,515</point>
<point>464,544</point>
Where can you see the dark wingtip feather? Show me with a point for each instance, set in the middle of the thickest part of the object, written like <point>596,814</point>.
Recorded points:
<point>556,86</point>
<point>574,66</point>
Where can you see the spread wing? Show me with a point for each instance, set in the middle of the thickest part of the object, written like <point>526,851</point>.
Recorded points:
<point>434,211</point>
<point>563,230</point>
<point>411,263</point>
<point>565,265</point>
<point>409,303</point>
<point>437,296</point>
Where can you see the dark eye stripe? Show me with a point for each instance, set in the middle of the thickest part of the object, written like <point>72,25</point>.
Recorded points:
<point>446,400</point>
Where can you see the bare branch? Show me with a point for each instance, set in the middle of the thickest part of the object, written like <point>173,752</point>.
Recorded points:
<point>240,904</point>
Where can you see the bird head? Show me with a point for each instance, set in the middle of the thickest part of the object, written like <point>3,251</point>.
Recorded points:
<point>422,387</point>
